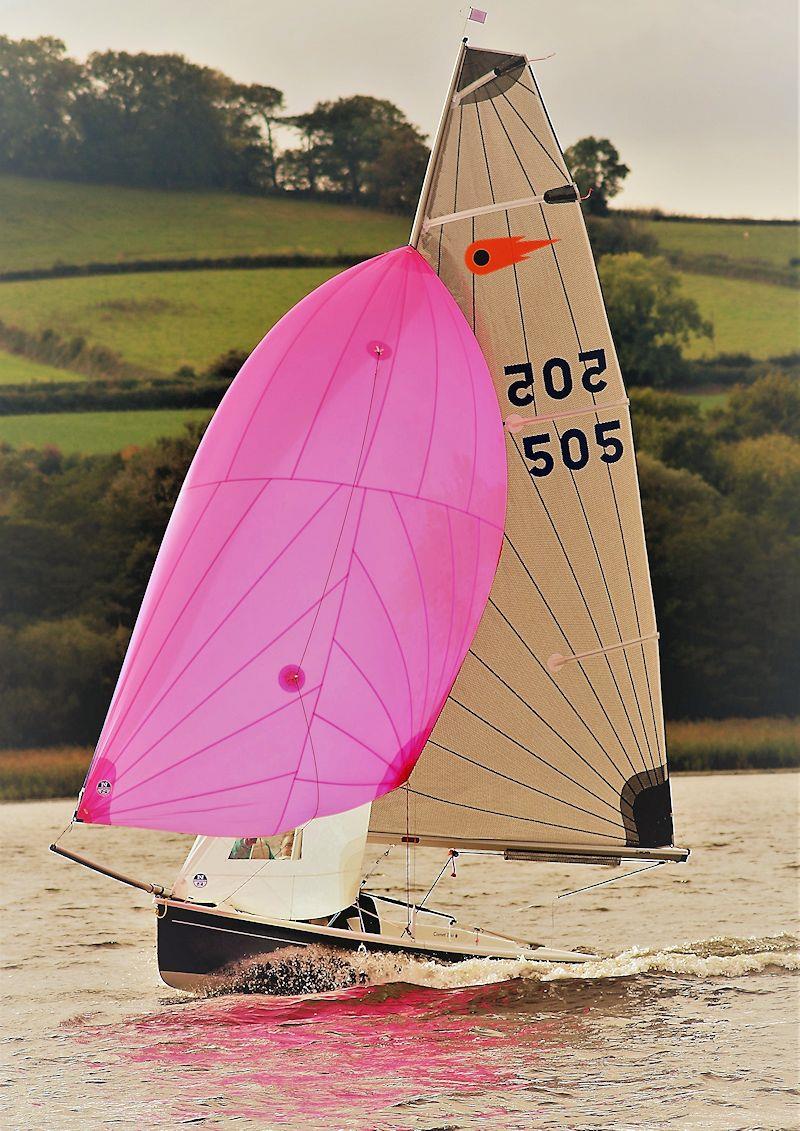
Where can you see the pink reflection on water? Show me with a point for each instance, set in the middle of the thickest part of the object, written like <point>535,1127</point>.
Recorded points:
<point>351,1058</point>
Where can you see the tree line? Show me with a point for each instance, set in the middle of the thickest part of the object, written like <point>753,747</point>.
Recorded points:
<point>162,121</point>
<point>721,499</point>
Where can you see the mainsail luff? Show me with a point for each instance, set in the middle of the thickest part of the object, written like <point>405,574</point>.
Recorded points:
<point>553,732</point>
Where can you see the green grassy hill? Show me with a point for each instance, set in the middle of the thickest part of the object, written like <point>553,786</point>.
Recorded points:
<point>94,433</point>
<point>774,243</point>
<point>15,370</point>
<point>162,321</point>
<point>43,223</point>
<point>158,322</point>
<point>756,318</point>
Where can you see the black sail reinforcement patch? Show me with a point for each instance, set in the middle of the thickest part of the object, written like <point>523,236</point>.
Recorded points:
<point>646,807</point>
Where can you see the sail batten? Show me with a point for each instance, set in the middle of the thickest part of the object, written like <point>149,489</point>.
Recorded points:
<point>557,705</point>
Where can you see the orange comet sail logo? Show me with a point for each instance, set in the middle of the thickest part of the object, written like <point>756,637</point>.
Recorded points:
<point>485,256</point>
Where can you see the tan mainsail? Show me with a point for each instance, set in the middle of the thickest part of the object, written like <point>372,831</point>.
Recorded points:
<point>553,733</point>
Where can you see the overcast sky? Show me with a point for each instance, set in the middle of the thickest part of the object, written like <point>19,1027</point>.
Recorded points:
<point>700,96</point>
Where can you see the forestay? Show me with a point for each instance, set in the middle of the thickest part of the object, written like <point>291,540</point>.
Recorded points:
<point>553,734</point>
<point>323,572</point>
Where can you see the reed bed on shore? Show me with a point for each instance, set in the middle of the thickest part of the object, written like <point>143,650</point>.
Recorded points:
<point>734,744</point>
<point>51,772</point>
<point>708,744</point>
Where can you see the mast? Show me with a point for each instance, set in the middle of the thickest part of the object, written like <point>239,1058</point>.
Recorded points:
<point>419,216</point>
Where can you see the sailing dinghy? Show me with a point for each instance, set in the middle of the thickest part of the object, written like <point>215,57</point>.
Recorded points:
<point>404,596</point>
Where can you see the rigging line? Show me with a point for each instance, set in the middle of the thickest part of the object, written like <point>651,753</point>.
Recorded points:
<point>569,645</point>
<point>533,711</point>
<point>572,473</point>
<point>67,828</point>
<point>533,754</point>
<point>511,816</point>
<point>549,674</point>
<point>408,864</point>
<point>582,596</point>
<point>455,190</point>
<point>445,866</point>
<point>524,785</point>
<point>382,856</point>
<point>610,880</point>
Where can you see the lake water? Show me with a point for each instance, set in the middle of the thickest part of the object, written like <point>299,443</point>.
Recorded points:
<point>689,1018</point>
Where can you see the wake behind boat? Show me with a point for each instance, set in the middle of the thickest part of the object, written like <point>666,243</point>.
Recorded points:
<point>404,596</point>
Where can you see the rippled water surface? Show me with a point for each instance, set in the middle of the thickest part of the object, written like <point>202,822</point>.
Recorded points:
<point>687,1019</point>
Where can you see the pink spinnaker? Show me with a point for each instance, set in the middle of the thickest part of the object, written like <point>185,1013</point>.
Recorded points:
<point>323,572</point>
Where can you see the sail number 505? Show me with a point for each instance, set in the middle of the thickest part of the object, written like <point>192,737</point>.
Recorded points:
<point>574,446</point>
<point>557,377</point>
